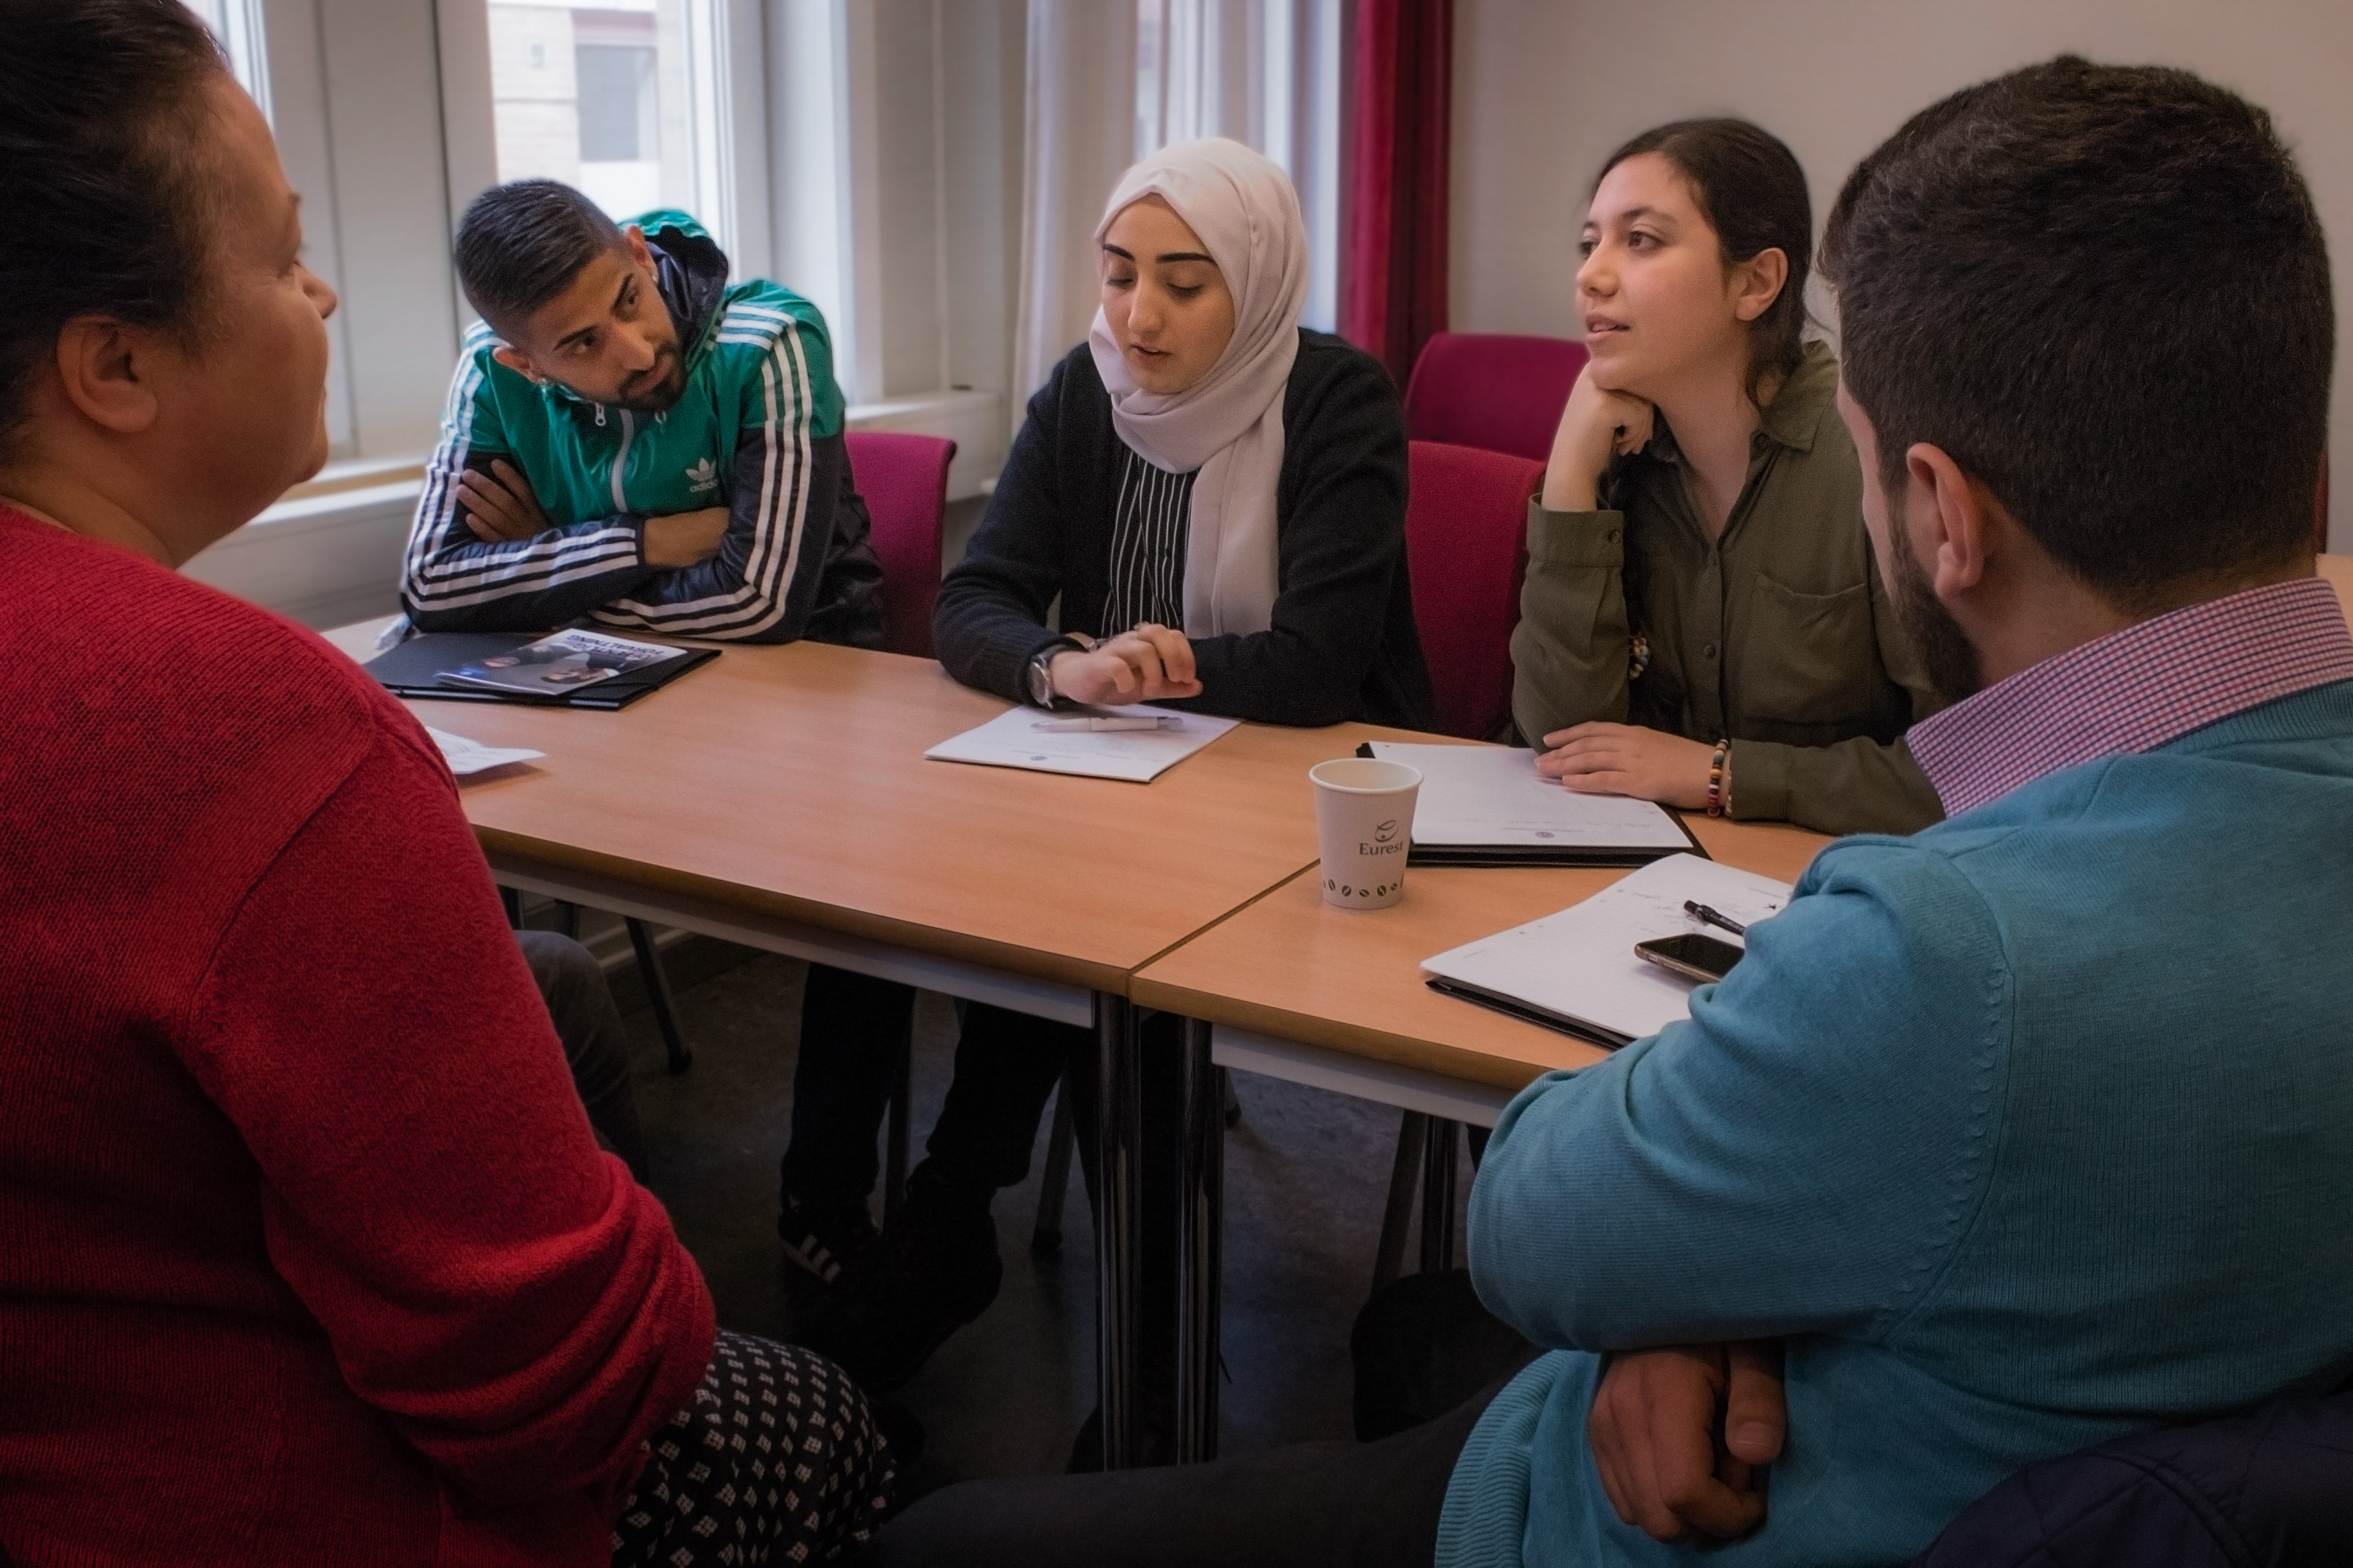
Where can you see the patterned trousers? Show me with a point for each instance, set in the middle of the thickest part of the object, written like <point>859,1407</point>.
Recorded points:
<point>777,1460</point>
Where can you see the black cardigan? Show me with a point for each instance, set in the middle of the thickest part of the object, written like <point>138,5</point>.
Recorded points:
<point>1342,643</point>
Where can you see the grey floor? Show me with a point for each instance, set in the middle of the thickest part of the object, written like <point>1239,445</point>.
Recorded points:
<point>1306,1175</point>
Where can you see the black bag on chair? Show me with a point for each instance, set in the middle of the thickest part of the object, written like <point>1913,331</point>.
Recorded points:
<point>2273,1489</point>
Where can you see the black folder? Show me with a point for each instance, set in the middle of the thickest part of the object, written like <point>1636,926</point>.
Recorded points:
<point>413,669</point>
<point>1571,855</point>
<point>1529,1012</point>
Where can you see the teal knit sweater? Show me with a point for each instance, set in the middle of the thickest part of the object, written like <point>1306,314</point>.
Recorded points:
<point>2028,1131</point>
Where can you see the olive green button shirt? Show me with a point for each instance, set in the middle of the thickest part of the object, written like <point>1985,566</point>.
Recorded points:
<point>1777,634</point>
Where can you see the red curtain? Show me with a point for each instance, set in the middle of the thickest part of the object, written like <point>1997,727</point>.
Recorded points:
<point>1393,267</point>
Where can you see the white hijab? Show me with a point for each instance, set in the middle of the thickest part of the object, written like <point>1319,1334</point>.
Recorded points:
<point>1228,426</point>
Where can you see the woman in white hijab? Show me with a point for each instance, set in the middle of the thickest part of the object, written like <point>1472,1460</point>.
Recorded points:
<point>1217,496</point>
<point>1218,499</point>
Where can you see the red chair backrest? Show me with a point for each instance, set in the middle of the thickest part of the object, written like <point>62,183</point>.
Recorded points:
<point>1491,390</point>
<point>905,480</point>
<point>1466,530</point>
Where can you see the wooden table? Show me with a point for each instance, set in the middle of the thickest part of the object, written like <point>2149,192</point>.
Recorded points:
<point>779,797</point>
<point>1295,988</point>
<point>1301,990</point>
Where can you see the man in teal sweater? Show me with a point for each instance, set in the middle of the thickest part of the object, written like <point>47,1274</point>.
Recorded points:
<point>2029,1131</point>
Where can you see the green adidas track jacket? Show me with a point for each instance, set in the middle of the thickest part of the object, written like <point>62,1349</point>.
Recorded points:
<point>758,429</point>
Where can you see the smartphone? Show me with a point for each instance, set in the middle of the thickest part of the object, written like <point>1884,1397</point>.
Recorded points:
<point>1692,957</point>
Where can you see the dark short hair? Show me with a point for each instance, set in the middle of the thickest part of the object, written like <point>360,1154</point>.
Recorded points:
<point>2103,291</point>
<point>1751,190</point>
<point>103,181</point>
<point>521,244</point>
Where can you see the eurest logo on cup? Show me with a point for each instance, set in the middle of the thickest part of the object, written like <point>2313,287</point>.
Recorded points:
<point>1363,811</point>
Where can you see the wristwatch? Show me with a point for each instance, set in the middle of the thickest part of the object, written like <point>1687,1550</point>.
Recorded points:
<point>1037,675</point>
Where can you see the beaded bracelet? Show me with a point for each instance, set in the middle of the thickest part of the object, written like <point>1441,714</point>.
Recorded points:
<point>1715,777</point>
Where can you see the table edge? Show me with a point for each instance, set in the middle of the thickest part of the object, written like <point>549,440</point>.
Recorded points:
<point>1353,1039</point>
<point>508,850</point>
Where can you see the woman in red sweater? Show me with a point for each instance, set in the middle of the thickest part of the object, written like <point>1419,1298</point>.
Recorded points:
<point>307,1254</point>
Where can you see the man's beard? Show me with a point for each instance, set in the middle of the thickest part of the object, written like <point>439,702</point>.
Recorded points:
<point>1936,639</point>
<point>659,396</point>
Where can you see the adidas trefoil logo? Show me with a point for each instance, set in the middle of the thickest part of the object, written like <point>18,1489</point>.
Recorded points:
<point>703,475</point>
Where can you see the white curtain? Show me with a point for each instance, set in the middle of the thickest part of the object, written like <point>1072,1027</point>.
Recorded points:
<point>1112,80</point>
<point>1264,72</point>
<point>1080,138</point>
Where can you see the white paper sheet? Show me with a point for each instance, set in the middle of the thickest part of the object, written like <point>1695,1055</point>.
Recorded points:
<point>1012,740</point>
<point>465,756</point>
<point>1580,963</point>
<point>1480,795</point>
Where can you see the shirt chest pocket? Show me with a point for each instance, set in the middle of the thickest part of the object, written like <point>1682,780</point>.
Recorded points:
<point>1806,659</point>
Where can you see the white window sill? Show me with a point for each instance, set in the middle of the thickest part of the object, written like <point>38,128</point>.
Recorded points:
<point>328,552</point>
<point>975,421</point>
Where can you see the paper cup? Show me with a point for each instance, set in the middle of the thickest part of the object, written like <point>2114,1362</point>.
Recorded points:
<point>1363,822</point>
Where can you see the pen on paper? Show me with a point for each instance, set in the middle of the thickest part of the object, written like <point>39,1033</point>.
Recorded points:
<point>1092,726</point>
<point>1708,917</point>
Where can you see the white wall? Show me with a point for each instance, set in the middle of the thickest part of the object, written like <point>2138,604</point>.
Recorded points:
<point>382,91</point>
<point>1544,89</point>
<point>948,145</point>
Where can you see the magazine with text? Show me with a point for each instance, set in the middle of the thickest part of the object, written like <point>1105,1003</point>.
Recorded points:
<point>556,666</point>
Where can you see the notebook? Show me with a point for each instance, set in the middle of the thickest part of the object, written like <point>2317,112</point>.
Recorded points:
<point>593,670</point>
<point>1576,971</point>
<point>1487,806</point>
<point>1043,742</point>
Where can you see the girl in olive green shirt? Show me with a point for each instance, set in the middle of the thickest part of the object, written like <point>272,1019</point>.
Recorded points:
<point>1698,569</point>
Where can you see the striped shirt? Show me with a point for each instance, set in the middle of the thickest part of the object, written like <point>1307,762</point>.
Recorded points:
<point>2137,690</point>
<point>1150,525</point>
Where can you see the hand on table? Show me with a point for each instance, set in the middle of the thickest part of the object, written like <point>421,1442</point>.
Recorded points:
<point>1142,666</point>
<point>1597,426</point>
<point>500,507</point>
<point>1627,759</point>
<point>1677,1434</point>
<point>684,538</point>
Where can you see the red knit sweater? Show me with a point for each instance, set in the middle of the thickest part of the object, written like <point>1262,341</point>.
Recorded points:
<point>307,1254</point>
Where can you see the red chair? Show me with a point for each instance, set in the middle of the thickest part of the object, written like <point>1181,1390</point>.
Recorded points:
<point>1466,534</point>
<point>1489,390</point>
<point>1466,541</point>
<point>905,480</point>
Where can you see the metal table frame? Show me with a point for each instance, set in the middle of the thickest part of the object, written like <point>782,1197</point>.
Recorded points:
<point>1119,1129</point>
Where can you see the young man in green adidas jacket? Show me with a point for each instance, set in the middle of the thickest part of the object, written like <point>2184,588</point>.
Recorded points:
<point>630,438</point>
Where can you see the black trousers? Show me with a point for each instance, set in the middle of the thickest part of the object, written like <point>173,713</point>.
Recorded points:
<point>853,1034</point>
<point>1361,1505</point>
<point>595,1042</point>
<point>1007,1064</point>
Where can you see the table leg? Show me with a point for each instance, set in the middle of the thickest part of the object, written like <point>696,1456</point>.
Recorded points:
<point>1437,1172</point>
<point>1396,1216</point>
<point>1200,1228</point>
<point>1119,1129</point>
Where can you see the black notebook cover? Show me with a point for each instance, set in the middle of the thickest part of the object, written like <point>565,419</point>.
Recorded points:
<point>413,669</point>
<point>1580,855</point>
<point>1529,1012</point>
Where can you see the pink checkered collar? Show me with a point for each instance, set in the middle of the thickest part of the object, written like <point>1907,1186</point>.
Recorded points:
<point>2135,690</point>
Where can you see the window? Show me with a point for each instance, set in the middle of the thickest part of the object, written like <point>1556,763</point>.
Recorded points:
<point>237,24</point>
<point>1264,72</point>
<point>605,99</point>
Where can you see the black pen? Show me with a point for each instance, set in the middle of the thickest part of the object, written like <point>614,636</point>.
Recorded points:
<point>1708,917</point>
